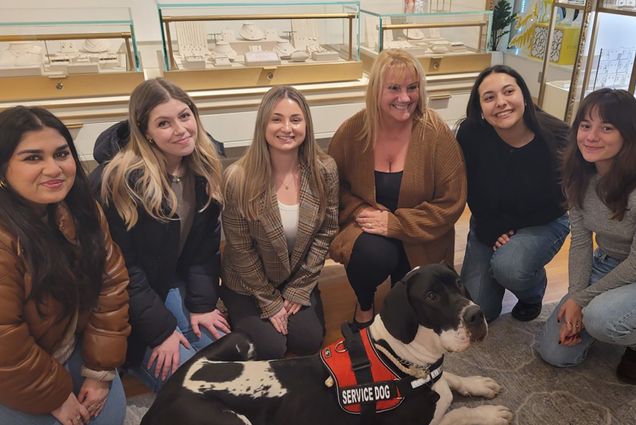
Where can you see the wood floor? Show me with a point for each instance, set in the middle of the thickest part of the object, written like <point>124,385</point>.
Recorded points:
<point>339,300</point>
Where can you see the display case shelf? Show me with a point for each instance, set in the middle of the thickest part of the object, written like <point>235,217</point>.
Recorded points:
<point>66,53</point>
<point>233,45</point>
<point>447,37</point>
<point>606,50</point>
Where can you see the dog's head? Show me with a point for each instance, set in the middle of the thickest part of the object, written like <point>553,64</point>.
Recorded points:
<point>432,297</point>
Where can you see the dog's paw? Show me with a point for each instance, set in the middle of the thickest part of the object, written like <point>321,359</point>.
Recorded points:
<point>481,415</point>
<point>478,386</point>
<point>493,415</point>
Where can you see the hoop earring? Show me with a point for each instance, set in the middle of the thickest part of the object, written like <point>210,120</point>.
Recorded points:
<point>152,142</point>
<point>3,184</point>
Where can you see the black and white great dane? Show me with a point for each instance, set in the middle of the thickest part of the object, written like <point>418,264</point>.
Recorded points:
<point>425,315</point>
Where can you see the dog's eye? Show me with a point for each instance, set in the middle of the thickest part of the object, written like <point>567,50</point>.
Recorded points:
<point>432,296</point>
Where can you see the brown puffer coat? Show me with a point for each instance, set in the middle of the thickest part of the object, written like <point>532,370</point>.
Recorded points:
<point>31,380</point>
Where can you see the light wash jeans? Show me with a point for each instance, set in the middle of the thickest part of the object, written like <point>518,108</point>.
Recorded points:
<point>610,317</point>
<point>518,266</point>
<point>113,412</point>
<point>176,305</point>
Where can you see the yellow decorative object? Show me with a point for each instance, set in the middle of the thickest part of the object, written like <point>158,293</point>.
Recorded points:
<point>564,43</point>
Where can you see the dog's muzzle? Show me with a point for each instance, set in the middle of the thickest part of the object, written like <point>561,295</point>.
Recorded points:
<point>475,323</point>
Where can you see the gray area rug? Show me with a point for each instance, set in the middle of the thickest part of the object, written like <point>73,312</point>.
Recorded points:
<point>537,393</point>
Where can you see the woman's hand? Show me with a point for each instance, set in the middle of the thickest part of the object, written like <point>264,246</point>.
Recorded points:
<point>93,395</point>
<point>279,321</point>
<point>167,355</point>
<point>571,318</point>
<point>71,412</point>
<point>374,221</point>
<point>502,240</point>
<point>213,321</point>
<point>291,307</point>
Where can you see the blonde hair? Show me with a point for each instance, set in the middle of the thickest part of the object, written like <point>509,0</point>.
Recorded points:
<point>400,62</point>
<point>137,174</point>
<point>250,176</point>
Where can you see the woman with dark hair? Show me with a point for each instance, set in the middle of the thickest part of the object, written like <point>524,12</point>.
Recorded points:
<point>63,299</point>
<point>159,181</point>
<point>280,217</point>
<point>518,220</point>
<point>402,182</point>
<point>599,177</point>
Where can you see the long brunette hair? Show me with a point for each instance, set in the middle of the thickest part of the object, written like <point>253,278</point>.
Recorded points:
<point>616,107</point>
<point>70,273</point>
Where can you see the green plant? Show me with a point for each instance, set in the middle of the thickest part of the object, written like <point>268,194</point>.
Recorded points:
<point>502,17</point>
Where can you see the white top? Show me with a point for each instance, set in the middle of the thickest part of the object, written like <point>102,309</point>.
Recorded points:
<point>289,218</point>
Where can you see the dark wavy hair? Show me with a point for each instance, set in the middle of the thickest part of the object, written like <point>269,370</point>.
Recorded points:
<point>550,129</point>
<point>616,107</point>
<point>70,274</point>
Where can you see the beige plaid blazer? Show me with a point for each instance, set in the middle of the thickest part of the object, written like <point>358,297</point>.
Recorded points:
<point>256,260</point>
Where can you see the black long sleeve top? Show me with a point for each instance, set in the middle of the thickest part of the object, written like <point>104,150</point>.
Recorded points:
<point>510,188</point>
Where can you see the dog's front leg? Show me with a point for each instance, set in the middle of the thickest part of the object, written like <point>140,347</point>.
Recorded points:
<point>473,385</point>
<point>480,415</point>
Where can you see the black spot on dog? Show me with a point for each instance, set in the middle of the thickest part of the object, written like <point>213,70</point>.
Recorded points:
<point>218,372</point>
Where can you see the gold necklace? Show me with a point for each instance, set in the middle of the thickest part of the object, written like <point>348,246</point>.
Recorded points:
<point>287,185</point>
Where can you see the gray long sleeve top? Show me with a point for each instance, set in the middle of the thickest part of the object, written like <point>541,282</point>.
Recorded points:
<point>616,238</point>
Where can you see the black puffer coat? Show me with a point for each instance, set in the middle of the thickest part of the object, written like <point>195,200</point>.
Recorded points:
<point>150,249</point>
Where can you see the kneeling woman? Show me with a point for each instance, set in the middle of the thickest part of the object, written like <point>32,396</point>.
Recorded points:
<point>63,299</point>
<point>599,178</point>
<point>162,197</point>
<point>280,217</point>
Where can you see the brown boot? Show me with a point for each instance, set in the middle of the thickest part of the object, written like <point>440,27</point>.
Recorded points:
<point>626,370</point>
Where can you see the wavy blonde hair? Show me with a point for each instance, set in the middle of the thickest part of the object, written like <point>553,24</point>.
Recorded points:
<point>400,62</point>
<point>250,176</point>
<point>137,174</point>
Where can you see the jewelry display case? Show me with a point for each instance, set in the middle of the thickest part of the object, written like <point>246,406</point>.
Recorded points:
<point>232,45</point>
<point>447,36</point>
<point>66,53</point>
<point>605,55</point>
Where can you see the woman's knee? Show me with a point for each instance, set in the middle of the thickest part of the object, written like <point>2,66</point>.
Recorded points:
<point>555,354</point>
<point>513,273</point>
<point>606,324</point>
<point>374,250</point>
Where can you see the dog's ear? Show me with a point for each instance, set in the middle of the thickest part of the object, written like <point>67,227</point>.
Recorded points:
<point>397,314</point>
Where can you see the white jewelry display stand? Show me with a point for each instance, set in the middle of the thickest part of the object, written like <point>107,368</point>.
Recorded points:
<point>21,59</point>
<point>192,44</point>
<point>251,32</point>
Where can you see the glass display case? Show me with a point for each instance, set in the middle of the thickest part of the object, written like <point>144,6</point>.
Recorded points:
<point>607,49</point>
<point>235,44</point>
<point>61,53</point>
<point>448,36</point>
<point>559,40</point>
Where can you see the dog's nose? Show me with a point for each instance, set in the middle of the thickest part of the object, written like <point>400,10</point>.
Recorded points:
<point>475,322</point>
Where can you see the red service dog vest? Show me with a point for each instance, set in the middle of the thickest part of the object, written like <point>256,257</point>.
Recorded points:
<point>383,391</point>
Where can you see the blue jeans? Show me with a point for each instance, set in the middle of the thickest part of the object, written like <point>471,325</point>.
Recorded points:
<point>113,412</point>
<point>175,304</point>
<point>518,266</point>
<point>610,317</point>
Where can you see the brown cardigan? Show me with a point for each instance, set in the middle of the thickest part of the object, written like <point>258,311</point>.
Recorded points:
<point>256,260</point>
<point>31,380</point>
<point>432,194</point>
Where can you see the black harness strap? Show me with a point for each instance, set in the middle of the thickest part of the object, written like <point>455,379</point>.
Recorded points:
<point>360,364</point>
